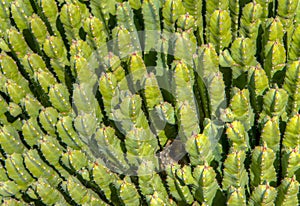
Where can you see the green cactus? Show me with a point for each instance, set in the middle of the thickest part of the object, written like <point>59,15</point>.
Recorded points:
<point>153,102</point>
<point>237,136</point>
<point>39,169</point>
<point>104,178</point>
<point>109,148</point>
<point>178,189</point>
<point>289,162</point>
<point>10,140</point>
<point>294,45</point>
<point>239,109</point>
<point>79,193</point>
<point>291,86</point>
<point>199,149</point>
<point>48,195</point>
<point>235,174</point>
<point>251,20</point>
<point>207,187</point>
<point>172,9</point>
<point>67,133</point>
<point>219,30</point>
<point>9,189</point>
<point>271,134</point>
<point>262,168</point>
<point>128,193</point>
<point>151,184</point>
<point>287,193</point>
<point>32,132</point>
<point>17,172</point>
<point>237,197</point>
<point>263,195</point>
<point>291,135</point>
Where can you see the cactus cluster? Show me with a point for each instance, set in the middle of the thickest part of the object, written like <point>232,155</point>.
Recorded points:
<point>149,102</point>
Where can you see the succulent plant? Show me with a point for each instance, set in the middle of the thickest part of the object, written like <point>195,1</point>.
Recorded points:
<point>149,102</point>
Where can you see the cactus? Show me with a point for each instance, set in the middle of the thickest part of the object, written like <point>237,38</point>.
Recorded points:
<point>262,168</point>
<point>207,186</point>
<point>153,102</point>
<point>263,194</point>
<point>235,174</point>
<point>287,191</point>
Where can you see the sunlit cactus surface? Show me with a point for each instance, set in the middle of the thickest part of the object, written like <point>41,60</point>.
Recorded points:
<point>150,102</point>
